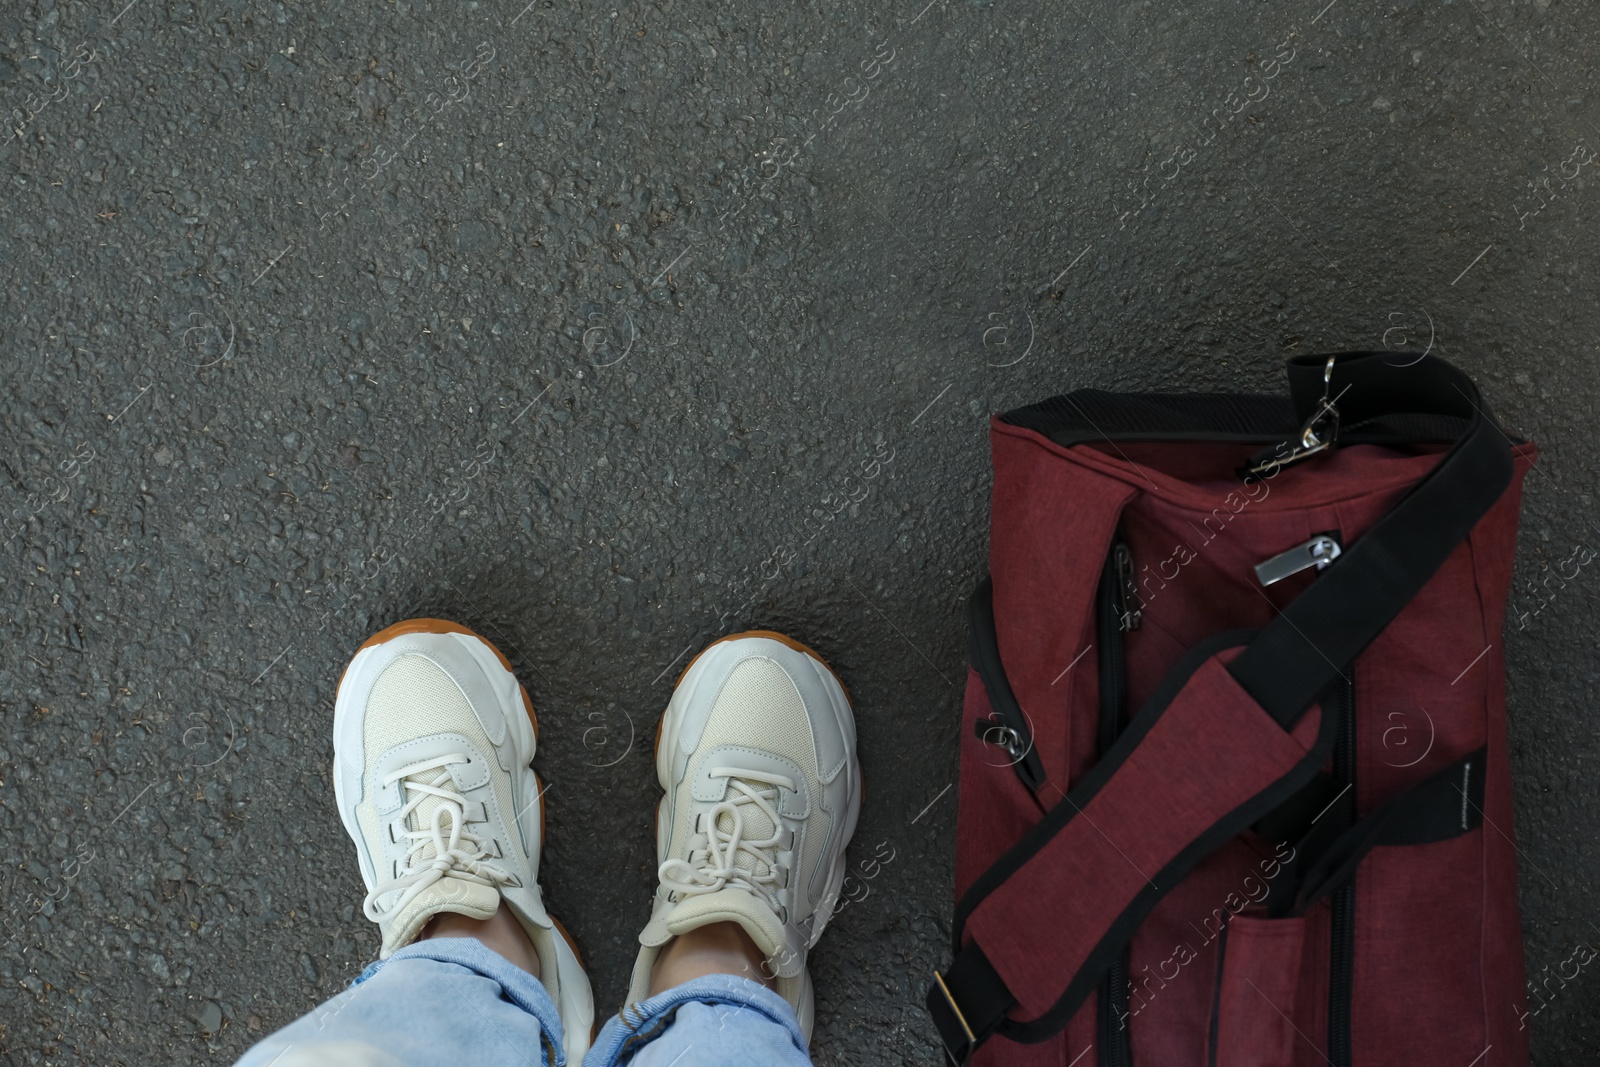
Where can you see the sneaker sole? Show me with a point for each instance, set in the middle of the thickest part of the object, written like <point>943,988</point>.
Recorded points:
<point>566,935</point>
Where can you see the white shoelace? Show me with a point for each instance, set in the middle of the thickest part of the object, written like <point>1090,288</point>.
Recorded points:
<point>717,865</point>
<point>452,854</point>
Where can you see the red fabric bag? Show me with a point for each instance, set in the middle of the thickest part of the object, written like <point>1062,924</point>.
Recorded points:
<point>1234,782</point>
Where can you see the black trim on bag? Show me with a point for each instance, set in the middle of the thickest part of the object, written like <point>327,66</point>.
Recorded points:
<point>1309,821</point>
<point>1342,921</point>
<point>1085,416</point>
<point>983,646</point>
<point>974,983</point>
<point>1112,622</point>
<point>1094,414</point>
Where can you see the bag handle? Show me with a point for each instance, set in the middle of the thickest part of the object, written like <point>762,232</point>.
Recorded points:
<point>1216,747</point>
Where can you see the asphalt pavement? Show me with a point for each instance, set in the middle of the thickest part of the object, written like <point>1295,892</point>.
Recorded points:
<point>609,329</point>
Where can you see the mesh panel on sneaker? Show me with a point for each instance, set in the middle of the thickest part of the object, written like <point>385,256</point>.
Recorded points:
<point>759,707</point>
<point>414,697</point>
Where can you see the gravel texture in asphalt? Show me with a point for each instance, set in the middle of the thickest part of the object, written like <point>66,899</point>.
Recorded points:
<point>608,329</point>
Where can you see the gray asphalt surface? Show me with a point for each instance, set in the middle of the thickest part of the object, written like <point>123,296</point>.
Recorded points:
<point>606,329</point>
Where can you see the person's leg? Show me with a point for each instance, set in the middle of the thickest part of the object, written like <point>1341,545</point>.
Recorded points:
<point>716,948</point>
<point>500,933</point>
<point>433,738</point>
<point>757,755</point>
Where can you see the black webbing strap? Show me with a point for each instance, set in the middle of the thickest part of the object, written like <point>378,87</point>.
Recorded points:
<point>1326,843</point>
<point>974,983</point>
<point>1446,805</point>
<point>1295,819</point>
<point>1329,624</point>
<point>1294,659</point>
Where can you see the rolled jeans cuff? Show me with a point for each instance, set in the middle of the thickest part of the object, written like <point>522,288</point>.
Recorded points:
<point>516,985</point>
<point>741,1002</point>
<point>442,1002</point>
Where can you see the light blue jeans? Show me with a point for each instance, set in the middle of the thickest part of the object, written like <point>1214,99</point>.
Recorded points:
<point>451,1002</point>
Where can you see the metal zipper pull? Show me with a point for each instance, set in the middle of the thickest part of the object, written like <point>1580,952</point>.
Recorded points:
<point>1318,552</point>
<point>1128,616</point>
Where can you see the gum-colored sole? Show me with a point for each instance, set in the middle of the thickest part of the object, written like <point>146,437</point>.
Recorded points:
<point>783,639</point>
<point>444,626</point>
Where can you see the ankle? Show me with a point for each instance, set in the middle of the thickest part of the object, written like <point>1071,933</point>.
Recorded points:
<point>501,933</point>
<point>716,948</point>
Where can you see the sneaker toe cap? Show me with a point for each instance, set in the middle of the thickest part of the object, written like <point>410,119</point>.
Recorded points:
<point>770,695</point>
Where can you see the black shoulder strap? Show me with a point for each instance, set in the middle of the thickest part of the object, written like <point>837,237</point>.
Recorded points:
<point>1328,625</point>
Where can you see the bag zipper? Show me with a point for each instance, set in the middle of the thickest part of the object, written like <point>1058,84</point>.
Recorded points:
<point>1117,614</point>
<point>1216,997</point>
<point>1126,592</point>
<point>1318,552</point>
<point>1342,955</point>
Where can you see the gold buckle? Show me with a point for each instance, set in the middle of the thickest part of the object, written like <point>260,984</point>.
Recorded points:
<point>972,1039</point>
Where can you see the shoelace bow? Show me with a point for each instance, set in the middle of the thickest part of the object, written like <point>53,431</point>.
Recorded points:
<point>451,856</point>
<point>717,865</point>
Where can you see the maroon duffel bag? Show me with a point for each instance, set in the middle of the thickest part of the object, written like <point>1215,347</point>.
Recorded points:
<point>1234,783</point>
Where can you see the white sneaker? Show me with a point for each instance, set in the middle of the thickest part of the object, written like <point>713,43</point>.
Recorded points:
<point>432,741</point>
<point>757,753</point>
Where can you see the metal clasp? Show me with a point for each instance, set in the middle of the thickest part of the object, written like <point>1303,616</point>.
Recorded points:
<point>992,731</point>
<point>1319,434</point>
